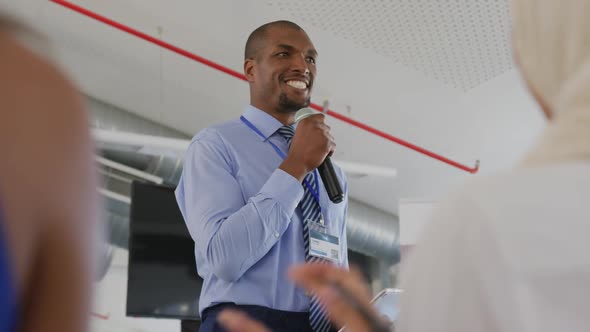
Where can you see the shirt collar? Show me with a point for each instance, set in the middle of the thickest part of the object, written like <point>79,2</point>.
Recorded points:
<point>265,122</point>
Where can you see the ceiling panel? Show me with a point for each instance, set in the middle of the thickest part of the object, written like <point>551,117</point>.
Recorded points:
<point>462,43</point>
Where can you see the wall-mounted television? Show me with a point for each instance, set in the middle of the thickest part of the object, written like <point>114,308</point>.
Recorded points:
<point>162,274</point>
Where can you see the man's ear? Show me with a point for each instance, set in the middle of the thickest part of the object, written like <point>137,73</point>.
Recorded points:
<point>249,68</point>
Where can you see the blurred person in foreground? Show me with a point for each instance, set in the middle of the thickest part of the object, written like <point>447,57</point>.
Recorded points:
<point>507,252</point>
<point>48,203</point>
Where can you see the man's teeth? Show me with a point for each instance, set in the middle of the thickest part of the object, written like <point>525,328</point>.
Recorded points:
<point>297,84</point>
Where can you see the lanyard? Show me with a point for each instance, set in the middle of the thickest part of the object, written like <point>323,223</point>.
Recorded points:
<point>282,154</point>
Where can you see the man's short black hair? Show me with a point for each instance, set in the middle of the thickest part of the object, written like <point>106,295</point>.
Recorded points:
<point>256,39</point>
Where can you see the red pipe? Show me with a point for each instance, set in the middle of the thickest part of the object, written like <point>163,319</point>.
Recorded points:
<point>97,315</point>
<point>242,77</point>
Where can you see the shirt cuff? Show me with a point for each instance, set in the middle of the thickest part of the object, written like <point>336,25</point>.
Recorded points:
<point>283,187</point>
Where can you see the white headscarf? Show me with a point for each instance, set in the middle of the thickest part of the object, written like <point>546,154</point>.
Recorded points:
<point>552,46</point>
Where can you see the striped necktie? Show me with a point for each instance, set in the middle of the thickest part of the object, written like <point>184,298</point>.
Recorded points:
<point>310,210</point>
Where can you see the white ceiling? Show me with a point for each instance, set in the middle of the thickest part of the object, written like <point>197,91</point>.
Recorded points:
<point>435,73</point>
<point>442,39</point>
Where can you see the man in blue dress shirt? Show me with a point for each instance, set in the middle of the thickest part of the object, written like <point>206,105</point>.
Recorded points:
<point>243,185</point>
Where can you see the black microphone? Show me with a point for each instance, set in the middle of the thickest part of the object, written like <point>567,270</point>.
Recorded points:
<point>326,169</point>
<point>330,180</point>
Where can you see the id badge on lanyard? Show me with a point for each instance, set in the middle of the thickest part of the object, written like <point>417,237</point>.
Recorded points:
<point>322,244</point>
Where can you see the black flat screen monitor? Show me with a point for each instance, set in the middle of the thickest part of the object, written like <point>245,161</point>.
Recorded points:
<point>162,274</point>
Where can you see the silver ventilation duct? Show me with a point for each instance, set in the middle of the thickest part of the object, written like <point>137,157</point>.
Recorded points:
<point>370,231</point>
<point>105,116</point>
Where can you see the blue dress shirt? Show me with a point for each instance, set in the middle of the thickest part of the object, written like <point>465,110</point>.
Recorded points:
<point>242,212</point>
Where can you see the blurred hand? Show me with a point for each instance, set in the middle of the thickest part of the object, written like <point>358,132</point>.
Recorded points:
<point>320,278</point>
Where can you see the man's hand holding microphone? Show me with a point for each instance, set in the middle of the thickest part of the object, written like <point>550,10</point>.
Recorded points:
<point>311,148</point>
